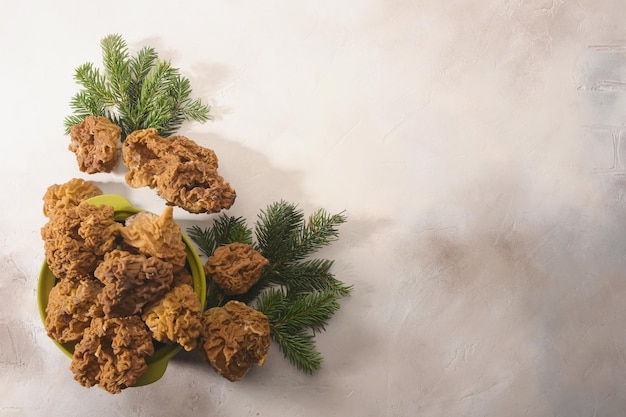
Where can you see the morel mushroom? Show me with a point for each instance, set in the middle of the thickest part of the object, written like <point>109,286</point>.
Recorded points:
<point>96,143</point>
<point>234,338</point>
<point>112,353</point>
<point>235,267</point>
<point>175,317</point>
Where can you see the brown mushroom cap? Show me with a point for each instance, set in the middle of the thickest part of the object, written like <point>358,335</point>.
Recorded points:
<point>183,172</point>
<point>131,281</point>
<point>175,317</point>
<point>234,338</point>
<point>96,143</point>
<point>60,197</point>
<point>235,267</point>
<point>112,353</point>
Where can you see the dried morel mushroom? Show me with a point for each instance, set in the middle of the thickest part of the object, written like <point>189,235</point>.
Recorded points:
<point>158,236</point>
<point>182,277</point>
<point>234,338</point>
<point>112,353</point>
<point>184,173</point>
<point>59,197</point>
<point>175,317</point>
<point>235,267</point>
<point>71,307</point>
<point>131,281</point>
<point>76,239</point>
<point>95,141</point>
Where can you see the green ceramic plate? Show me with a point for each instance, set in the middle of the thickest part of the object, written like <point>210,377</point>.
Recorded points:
<point>157,363</point>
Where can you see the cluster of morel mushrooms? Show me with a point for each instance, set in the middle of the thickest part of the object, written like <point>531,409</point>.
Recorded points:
<point>122,287</point>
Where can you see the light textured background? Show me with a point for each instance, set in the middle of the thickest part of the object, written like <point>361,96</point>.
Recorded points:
<point>476,146</point>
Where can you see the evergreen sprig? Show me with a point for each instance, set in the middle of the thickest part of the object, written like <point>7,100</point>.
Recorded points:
<point>311,275</point>
<point>310,311</point>
<point>285,237</point>
<point>135,92</point>
<point>297,293</point>
<point>294,322</point>
<point>224,230</point>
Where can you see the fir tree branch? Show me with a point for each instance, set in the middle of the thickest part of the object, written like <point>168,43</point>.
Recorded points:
<point>304,311</point>
<point>86,104</point>
<point>300,350</point>
<point>73,119</point>
<point>224,230</point>
<point>153,102</point>
<point>271,303</point>
<point>179,95</point>
<point>184,107</point>
<point>311,275</point>
<point>196,110</point>
<point>297,346</point>
<point>203,238</point>
<point>293,319</point>
<point>136,92</point>
<point>94,83</point>
<point>117,68</point>
<point>320,230</point>
<point>276,229</point>
<point>284,236</point>
<point>140,66</point>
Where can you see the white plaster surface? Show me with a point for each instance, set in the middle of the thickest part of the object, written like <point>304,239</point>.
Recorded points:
<point>477,147</point>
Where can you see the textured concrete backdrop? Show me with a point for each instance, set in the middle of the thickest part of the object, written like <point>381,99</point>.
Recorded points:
<point>478,148</point>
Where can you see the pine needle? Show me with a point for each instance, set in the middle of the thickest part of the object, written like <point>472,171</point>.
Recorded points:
<point>135,92</point>
<point>284,236</point>
<point>300,350</point>
<point>224,230</point>
<point>312,275</point>
<point>276,230</point>
<point>294,321</point>
<point>320,230</point>
<point>307,311</point>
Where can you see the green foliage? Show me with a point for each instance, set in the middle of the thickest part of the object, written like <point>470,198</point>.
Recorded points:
<point>276,229</point>
<point>300,312</point>
<point>310,275</point>
<point>300,350</point>
<point>284,236</point>
<point>297,293</point>
<point>294,321</point>
<point>225,229</point>
<point>135,92</point>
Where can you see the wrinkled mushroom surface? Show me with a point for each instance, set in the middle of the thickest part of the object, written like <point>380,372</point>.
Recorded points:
<point>235,267</point>
<point>96,143</point>
<point>234,338</point>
